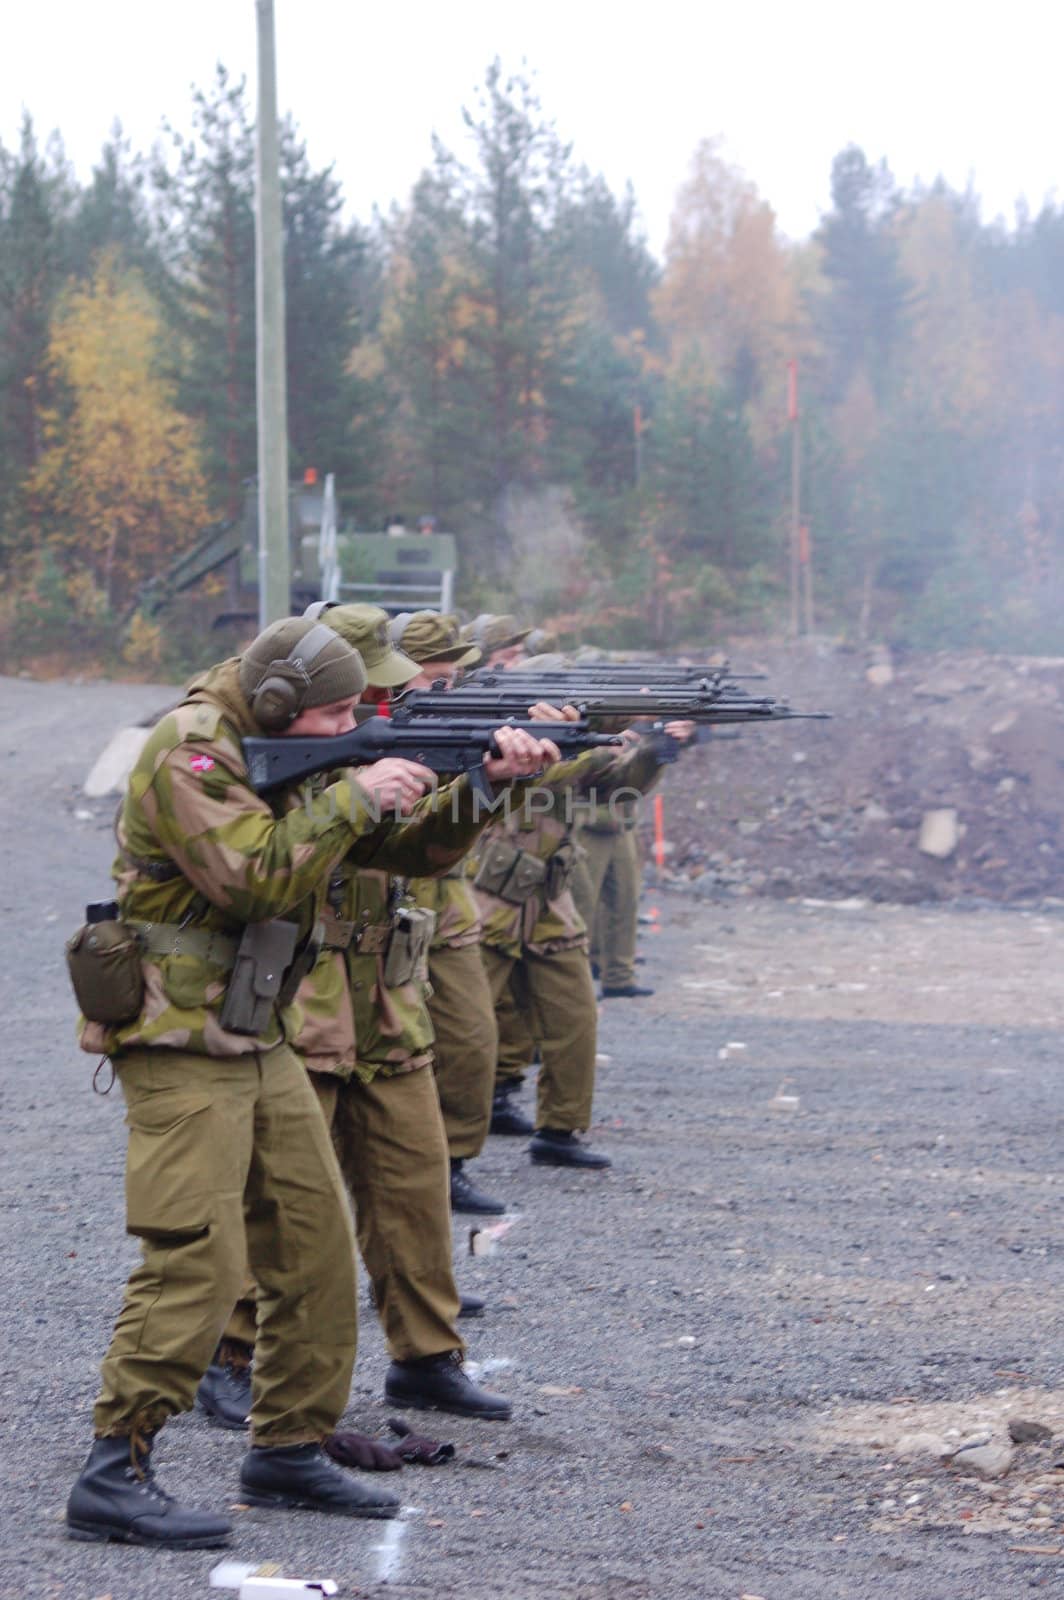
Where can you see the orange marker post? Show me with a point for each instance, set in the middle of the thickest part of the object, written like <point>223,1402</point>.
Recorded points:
<point>659,831</point>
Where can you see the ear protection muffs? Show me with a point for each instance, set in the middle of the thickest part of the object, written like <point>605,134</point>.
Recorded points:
<point>397,626</point>
<point>279,698</point>
<point>317,608</point>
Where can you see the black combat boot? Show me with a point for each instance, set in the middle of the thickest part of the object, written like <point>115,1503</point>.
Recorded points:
<point>623,991</point>
<point>465,1196</point>
<point>505,1117</point>
<point>301,1477</point>
<point>225,1388</point>
<point>440,1383</point>
<point>553,1147</point>
<point>117,1497</point>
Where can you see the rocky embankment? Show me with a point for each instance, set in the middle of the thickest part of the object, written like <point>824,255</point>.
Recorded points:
<point>938,778</point>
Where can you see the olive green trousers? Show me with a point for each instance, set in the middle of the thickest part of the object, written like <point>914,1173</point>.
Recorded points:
<point>516,1049</point>
<point>555,996</point>
<point>392,1150</point>
<point>606,887</point>
<point>389,1140</point>
<point>463,1017</point>
<point>229,1162</point>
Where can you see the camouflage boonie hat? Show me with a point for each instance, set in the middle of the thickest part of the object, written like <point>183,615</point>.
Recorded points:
<point>431,636</point>
<point>493,632</point>
<point>365,629</point>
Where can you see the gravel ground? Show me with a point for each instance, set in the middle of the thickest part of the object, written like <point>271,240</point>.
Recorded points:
<point>810,1247</point>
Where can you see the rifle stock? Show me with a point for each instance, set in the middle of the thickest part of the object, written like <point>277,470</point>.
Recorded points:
<point>446,743</point>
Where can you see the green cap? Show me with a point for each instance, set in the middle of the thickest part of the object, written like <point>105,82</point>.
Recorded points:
<point>317,669</point>
<point>431,636</point>
<point>541,642</point>
<point>365,629</point>
<point>492,632</point>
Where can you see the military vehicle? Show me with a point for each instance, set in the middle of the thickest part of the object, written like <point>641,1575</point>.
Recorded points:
<point>400,569</point>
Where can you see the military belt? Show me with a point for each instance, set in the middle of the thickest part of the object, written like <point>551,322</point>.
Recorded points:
<point>158,871</point>
<point>371,939</point>
<point>168,939</point>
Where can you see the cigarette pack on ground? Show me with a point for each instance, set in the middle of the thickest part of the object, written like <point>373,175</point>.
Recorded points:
<point>272,1588</point>
<point>263,1581</point>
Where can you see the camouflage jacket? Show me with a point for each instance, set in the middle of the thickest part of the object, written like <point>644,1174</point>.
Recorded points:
<point>620,815</point>
<point>352,1022</point>
<point>454,902</point>
<point>349,1020</point>
<point>545,828</point>
<point>200,850</point>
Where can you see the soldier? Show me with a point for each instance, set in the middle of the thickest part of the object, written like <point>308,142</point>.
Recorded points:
<point>366,1037</point>
<point>394,1152</point>
<point>227,1143</point>
<point>460,1004</point>
<point>500,639</point>
<point>606,886</point>
<point>535,944</point>
<point>229,1157</point>
<point>541,642</point>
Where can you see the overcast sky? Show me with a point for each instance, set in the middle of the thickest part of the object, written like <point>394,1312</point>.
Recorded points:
<point>938,87</point>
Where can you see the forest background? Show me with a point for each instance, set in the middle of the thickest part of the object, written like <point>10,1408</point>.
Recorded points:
<point>504,353</point>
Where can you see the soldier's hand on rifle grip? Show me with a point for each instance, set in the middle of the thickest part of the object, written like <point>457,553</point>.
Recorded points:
<point>682,732</point>
<point>395,784</point>
<point>542,711</point>
<point>520,755</point>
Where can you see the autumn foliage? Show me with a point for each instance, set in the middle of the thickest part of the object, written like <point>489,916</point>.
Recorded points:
<point>606,433</point>
<point>119,487</point>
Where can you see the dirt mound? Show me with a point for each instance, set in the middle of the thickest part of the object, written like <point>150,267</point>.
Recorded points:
<point>840,808</point>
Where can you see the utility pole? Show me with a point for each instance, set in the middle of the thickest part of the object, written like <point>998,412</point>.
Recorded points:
<point>275,598</point>
<point>796,497</point>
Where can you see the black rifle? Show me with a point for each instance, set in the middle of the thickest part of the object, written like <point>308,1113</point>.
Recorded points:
<point>676,703</point>
<point>449,742</point>
<point>621,672</point>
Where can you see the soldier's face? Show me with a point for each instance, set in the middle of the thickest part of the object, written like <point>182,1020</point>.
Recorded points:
<point>325,722</point>
<point>508,656</point>
<point>431,672</point>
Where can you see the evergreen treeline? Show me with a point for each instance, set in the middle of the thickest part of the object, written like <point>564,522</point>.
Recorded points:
<point>504,347</point>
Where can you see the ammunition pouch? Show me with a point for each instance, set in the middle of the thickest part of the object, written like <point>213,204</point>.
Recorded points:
<point>103,959</point>
<point>561,866</point>
<point>306,959</point>
<point>260,977</point>
<point>408,945</point>
<point>337,933</point>
<point>514,875</point>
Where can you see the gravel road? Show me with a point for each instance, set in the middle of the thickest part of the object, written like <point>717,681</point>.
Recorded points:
<point>833,1221</point>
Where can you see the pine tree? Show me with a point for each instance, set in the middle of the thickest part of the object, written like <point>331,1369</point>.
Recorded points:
<point>36,199</point>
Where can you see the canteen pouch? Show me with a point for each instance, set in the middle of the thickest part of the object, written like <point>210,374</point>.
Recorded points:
<point>103,959</point>
<point>514,875</point>
<point>408,945</point>
<point>255,986</point>
<point>560,868</point>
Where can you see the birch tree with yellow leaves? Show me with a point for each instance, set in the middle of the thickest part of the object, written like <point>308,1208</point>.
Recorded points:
<point>119,487</point>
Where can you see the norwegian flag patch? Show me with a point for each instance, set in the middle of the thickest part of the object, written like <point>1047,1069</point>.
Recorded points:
<point>201,763</point>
